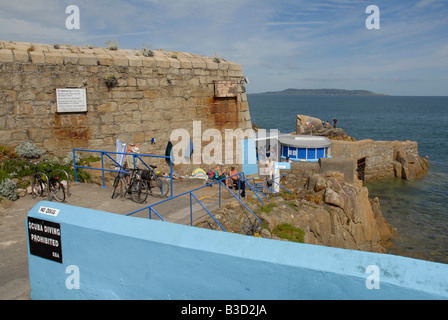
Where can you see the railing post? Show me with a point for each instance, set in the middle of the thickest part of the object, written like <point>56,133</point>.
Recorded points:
<point>219,183</point>
<point>191,210</point>
<point>171,176</point>
<point>74,164</point>
<point>102,170</point>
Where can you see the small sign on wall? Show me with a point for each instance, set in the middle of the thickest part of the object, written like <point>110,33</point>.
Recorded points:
<point>226,89</point>
<point>71,100</point>
<point>44,238</point>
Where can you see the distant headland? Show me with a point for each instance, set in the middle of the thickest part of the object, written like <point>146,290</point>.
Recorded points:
<point>326,92</point>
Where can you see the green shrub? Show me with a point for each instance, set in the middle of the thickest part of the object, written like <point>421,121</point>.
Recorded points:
<point>289,232</point>
<point>8,189</point>
<point>28,150</point>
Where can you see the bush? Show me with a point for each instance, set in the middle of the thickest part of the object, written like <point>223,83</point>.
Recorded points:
<point>8,189</point>
<point>289,232</point>
<point>28,150</point>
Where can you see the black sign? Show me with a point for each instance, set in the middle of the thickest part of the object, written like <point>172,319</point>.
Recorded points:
<point>45,239</point>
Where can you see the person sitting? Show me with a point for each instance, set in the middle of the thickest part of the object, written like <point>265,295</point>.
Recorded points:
<point>219,174</point>
<point>232,180</point>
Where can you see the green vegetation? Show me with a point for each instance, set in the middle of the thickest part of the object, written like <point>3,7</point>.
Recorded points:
<point>28,150</point>
<point>16,167</point>
<point>268,208</point>
<point>112,45</point>
<point>292,205</point>
<point>8,189</point>
<point>289,232</point>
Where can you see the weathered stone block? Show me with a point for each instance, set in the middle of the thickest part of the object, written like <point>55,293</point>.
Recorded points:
<point>135,61</point>
<point>70,58</point>
<point>108,107</point>
<point>105,59</point>
<point>6,55</point>
<point>21,56</point>
<point>53,58</point>
<point>88,59</point>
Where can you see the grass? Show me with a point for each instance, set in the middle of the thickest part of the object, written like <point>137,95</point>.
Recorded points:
<point>268,208</point>
<point>289,232</point>
<point>292,205</point>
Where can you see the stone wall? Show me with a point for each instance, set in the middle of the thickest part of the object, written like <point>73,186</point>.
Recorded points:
<point>297,177</point>
<point>154,95</point>
<point>382,157</point>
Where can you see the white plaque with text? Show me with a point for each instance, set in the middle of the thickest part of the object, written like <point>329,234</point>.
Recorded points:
<point>71,100</point>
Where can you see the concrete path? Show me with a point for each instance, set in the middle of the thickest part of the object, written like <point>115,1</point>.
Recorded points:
<point>14,279</point>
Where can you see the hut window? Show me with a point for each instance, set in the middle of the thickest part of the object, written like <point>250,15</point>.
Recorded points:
<point>302,153</point>
<point>311,153</point>
<point>320,153</point>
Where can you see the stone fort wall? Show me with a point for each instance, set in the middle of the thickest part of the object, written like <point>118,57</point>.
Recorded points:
<point>153,96</point>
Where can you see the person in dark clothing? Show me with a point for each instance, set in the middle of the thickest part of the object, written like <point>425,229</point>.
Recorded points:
<point>335,121</point>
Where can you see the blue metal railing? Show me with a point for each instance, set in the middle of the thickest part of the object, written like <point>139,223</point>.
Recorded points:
<point>260,184</point>
<point>193,196</point>
<point>121,169</point>
<point>241,179</point>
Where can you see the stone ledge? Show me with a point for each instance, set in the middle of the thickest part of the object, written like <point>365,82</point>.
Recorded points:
<point>23,52</point>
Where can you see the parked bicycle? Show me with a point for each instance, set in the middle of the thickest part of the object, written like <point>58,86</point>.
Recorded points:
<point>130,184</point>
<point>158,187</point>
<point>43,184</point>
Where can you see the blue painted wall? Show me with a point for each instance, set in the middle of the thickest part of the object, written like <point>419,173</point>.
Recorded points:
<point>121,257</point>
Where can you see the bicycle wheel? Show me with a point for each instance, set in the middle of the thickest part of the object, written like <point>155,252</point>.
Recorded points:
<point>37,188</point>
<point>57,190</point>
<point>159,188</point>
<point>139,190</point>
<point>117,188</point>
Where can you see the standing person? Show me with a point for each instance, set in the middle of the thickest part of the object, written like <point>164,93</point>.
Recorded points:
<point>335,121</point>
<point>129,159</point>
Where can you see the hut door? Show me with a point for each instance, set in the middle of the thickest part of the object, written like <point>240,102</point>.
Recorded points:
<point>361,169</point>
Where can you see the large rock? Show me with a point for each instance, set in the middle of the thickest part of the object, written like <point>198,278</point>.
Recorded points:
<point>409,166</point>
<point>318,129</point>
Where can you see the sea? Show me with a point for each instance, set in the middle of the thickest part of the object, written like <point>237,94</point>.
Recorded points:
<point>418,210</point>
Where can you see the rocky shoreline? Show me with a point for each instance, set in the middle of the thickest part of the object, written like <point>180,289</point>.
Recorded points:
<point>328,212</point>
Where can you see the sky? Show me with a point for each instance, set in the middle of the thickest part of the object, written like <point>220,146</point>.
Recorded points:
<point>281,44</point>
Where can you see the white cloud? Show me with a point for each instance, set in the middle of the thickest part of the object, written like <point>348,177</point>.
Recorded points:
<point>279,43</point>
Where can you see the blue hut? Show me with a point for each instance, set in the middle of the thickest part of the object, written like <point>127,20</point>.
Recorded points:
<point>304,148</point>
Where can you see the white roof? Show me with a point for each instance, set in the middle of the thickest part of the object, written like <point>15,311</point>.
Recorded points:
<point>300,141</point>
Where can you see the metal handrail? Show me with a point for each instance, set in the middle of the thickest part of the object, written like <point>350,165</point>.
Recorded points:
<point>150,207</point>
<point>273,180</point>
<point>108,153</point>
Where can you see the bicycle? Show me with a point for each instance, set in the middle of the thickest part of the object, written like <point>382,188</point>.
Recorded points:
<point>130,184</point>
<point>39,186</point>
<point>157,187</point>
